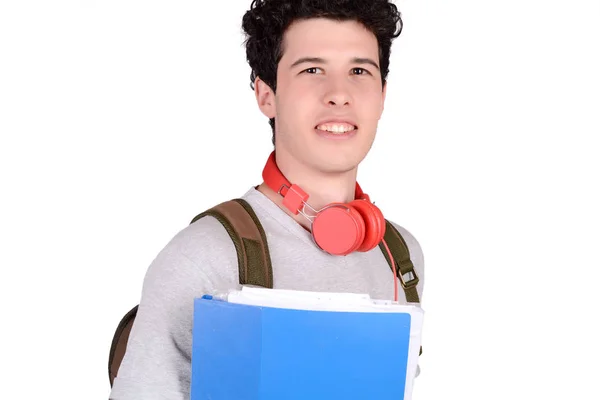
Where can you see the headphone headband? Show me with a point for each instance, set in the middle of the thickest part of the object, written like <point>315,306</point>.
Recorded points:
<point>293,195</point>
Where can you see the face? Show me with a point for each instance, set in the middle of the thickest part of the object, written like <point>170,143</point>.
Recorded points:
<point>329,95</point>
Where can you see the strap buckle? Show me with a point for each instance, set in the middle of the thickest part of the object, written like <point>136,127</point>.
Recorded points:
<point>410,283</point>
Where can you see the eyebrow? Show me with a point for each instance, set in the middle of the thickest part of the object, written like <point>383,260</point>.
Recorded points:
<point>318,60</point>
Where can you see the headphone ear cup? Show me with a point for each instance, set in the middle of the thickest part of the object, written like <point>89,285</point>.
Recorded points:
<point>338,229</point>
<point>374,223</point>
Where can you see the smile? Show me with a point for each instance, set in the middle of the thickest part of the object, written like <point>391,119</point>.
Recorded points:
<point>336,128</point>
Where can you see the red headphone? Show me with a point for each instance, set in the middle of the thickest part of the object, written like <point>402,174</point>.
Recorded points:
<point>338,228</point>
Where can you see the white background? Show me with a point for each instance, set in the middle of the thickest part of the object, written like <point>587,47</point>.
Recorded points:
<point>119,121</point>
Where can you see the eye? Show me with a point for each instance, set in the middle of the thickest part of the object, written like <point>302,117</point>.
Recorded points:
<point>360,71</point>
<point>312,70</point>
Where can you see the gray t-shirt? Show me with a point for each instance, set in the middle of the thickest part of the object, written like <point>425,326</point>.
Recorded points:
<point>201,259</point>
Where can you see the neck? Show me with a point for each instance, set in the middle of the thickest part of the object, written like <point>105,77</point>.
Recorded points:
<point>323,188</point>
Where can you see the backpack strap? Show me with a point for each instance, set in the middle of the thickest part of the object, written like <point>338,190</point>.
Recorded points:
<point>119,343</point>
<point>248,236</point>
<point>404,267</point>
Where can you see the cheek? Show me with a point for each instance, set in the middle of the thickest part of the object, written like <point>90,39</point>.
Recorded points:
<point>299,102</point>
<point>301,94</point>
<point>370,109</point>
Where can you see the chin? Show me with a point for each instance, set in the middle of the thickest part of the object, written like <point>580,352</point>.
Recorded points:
<point>337,163</point>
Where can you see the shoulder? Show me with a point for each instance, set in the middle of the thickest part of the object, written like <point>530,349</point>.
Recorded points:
<point>199,256</point>
<point>414,247</point>
<point>202,239</point>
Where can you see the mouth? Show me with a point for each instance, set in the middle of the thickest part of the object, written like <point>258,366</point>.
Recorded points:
<point>336,129</point>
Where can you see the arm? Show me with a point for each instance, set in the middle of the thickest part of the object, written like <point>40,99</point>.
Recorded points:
<point>157,364</point>
<point>417,258</point>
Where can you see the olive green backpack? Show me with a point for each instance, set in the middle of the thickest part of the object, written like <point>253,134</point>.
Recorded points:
<point>254,264</point>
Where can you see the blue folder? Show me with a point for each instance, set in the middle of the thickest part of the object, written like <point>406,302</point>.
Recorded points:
<point>248,352</point>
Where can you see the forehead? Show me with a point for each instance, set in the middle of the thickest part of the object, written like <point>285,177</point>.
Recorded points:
<point>329,39</point>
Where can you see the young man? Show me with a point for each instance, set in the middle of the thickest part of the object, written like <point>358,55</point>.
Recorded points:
<point>318,71</point>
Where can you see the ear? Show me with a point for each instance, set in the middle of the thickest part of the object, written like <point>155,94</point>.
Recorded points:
<point>264,97</point>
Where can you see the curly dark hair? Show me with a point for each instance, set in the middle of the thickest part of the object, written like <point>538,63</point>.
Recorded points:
<point>267,20</point>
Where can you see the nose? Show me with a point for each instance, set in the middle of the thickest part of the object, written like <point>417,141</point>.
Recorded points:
<point>337,94</point>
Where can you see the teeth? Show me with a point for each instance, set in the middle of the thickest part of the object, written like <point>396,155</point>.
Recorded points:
<point>336,128</point>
